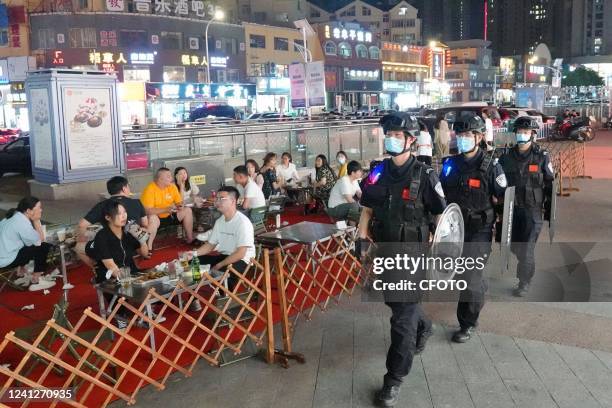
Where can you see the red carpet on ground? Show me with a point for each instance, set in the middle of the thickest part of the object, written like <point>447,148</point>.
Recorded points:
<point>83,296</point>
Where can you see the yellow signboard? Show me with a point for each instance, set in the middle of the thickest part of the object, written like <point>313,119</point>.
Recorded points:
<point>197,180</point>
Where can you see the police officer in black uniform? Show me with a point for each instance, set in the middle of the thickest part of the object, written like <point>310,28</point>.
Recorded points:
<point>475,181</point>
<point>529,169</point>
<point>400,198</point>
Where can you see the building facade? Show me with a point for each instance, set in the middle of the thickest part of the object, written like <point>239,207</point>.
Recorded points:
<point>471,75</point>
<point>404,73</point>
<point>352,65</point>
<point>269,52</point>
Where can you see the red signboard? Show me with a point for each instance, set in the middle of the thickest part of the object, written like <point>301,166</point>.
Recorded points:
<point>330,79</point>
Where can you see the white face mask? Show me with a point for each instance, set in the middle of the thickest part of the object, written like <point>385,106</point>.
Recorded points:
<point>341,160</point>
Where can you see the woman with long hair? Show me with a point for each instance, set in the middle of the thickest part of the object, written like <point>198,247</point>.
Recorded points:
<point>22,240</point>
<point>342,160</point>
<point>254,174</point>
<point>325,179</point>
<point>286,170</point>
<point>271,185</point>
<point>188,191</point>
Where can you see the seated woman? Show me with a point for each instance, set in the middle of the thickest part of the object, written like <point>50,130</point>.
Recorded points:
<point>286,171</point>
<point>254,174</point>
<point>268,171</point>
<point>189,192</point>
<point>114,248</point>
<point>325,180</point>
<point>341,158</point>
<point>22,240</point>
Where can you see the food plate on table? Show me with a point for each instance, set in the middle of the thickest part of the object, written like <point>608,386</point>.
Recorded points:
<point>150,278</point>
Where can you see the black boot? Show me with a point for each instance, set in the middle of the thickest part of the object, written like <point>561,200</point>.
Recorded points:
<point>422,337</point>
<point>463,334</point>
<point>388,395</point>
<point>521,289</point>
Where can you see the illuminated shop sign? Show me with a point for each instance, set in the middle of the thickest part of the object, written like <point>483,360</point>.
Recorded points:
<point>58,58</point>
<point>188,59</point>
<point>346,34</point>
<point>142,57</point>
<point>220,62</point>
<point>200,91</point>
<point>361,74</point>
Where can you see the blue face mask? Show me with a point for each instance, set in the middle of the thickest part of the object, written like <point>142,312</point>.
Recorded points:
<point>465,144</point>
<point>523,138</point>
<point>394,146</point>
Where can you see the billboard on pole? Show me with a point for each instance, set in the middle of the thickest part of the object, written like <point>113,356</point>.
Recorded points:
<point>315,81</point>
<point>297,76</point>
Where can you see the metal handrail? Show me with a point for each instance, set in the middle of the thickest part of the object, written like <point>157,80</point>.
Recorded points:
<point>239,129</point>
<point>225,134</point>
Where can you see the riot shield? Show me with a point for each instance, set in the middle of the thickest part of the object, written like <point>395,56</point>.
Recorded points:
<point>506,235</point>
<point>447,241</point>
<point>552,222</point>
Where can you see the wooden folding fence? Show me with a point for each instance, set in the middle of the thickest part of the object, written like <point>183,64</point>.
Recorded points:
<point>102,370</point>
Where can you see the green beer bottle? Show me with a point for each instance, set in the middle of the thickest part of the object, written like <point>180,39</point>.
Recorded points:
<point>195,267</point>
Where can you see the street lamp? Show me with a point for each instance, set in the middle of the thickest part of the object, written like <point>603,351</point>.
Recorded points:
<point>218,15</point>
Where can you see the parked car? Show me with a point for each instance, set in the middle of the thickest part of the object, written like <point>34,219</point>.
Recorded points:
<point>513,113</point>
<point>220,111</point>
<point>8,135</point>
<point>15,157</point>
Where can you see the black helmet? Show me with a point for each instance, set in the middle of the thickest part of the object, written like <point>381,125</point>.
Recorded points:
<point>525,122</point>
<point>399,121</point>
<point>469,123</point>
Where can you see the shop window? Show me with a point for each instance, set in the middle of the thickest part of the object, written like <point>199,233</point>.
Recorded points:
<point>82,37</point>
<point>281,44</point>
<point>221,76</point>
<point>202,78</point>
<point>171,40</point>
<point>361,51</point>
<point>257,41</point>
<point>46,38</point>
<point>374,53</point>
<point>257,70</point>
<point>133,73</point>
<point>330,48</point>
<point>229,45</point>
<point>297,44</point>
<point>133,39</point>
<point>4,37</point>
<point>233,75</point>
<point>345,50</point>
<point>174,74</point>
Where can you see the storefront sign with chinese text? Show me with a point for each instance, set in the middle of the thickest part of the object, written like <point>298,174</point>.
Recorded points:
<point>340,33</point>
<point>187,59</point>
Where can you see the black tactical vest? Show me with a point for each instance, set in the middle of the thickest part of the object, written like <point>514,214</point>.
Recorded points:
<point>525,173</point>
<point>400,215</point>
<point>470,189</point>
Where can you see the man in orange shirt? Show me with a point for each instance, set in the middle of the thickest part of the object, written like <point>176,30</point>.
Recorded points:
<point>164,205</point>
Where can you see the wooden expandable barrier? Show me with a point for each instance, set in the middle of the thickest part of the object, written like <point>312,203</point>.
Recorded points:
<point>229,316</point>
<point>308,278</point>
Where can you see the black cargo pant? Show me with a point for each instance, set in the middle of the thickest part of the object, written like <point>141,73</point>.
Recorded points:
<point>526,227</point>
<point>407,321</point>
<point>477,244</point>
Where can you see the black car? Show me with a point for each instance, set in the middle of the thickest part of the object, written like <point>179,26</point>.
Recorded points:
<point>15,157</point>
<point>220,111</point>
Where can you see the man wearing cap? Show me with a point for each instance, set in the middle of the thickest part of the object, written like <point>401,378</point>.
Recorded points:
<point>529,169</point>
<point>475,181</point>
<point>400,198</point>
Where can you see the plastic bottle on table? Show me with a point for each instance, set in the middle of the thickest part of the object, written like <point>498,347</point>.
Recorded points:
<point>195,267</point>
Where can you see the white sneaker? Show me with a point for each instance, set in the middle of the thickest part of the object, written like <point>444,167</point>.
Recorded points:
<point>42,284</point>
<point>24,280</point>
<point>158,318</point>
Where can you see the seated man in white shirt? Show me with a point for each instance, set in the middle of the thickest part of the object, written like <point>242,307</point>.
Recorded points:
<point>252,194</point>
<point>342,201</point>
<point>232,236</point>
